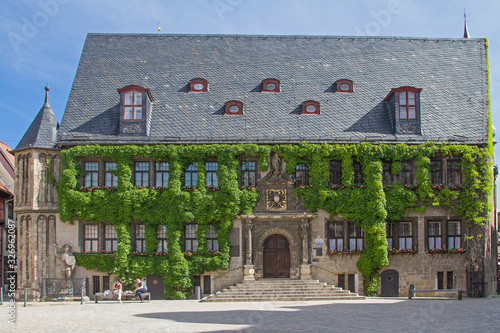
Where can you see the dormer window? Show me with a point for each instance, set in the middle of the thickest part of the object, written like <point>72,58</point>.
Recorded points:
<point>135,109</point>
<point>133,105</point>
<point>198,85</point>
<point>310,107</point>
<point>233,107</point>
<point>270,85</point>
<point>344,86</point>
<point>407,106</point>
<point>133,100</point>
<point>404,109</point>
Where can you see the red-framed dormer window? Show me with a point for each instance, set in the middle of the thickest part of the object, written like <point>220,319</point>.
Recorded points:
<point>271,85</point>
<point>407,102</point>
<point>198,85</point>
<point>344,86</point>
<point>134,102</point>
<point>233,107</point>
<point>310,107</point>
<point>407,105</point>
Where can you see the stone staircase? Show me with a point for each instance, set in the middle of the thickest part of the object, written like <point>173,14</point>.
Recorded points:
<point>281,290</point>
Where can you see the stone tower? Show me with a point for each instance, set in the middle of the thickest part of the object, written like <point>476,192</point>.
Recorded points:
<point>37,164</point>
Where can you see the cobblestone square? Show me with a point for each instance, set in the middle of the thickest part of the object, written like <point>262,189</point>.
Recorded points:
<point>370,315</point>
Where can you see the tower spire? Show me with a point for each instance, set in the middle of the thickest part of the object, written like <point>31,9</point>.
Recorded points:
<point>47,94</point>
<point>466,31</point>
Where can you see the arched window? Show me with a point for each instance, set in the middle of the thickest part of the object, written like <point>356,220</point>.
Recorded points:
<point>310,107</point>
<point>233,108</point>
<point>271,85</point>
<point>344,86</point>
<point>198,85</point>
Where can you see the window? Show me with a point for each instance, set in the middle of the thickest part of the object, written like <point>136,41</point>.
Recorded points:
<point>270,85</point>
<point>454,235</point>
<point>133,105</point>
<point>162,174</point>
<point>310,107</point>
<point>233,108</point>
<point>434,235</point>
<point>211,174</point>
<point>110,239</point>
<point>141,174</point>
<point>109,177</point>
<point>405,235</point>
<point>191,175</point>
<point>355,238</point>
<point>436,169</point>
<point>336,236</point>
<point>301,175</point>
<point>90,237</point>
<point>134,102</point>
<point>212,243</point>
<point>190,241</point>
<point>390,235</point>
<point>358,173</point>
<point>198,85</point>
<point>444,234</point>
<point>140,237</point>
<point>344,86</point>
<point>91,173</point>
<point>454,172</point>
<point>407,105</point>
<point>386,173</point>
<point>405,177</point>
<point>335,172</point>
<point>248,173</point>
<point>162,239</point>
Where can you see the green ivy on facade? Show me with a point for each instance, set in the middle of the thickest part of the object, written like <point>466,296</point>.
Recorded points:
<point>370,206</point>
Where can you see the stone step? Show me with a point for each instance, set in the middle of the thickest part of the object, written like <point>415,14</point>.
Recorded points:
<point>284,299</point>
<point>281,290</point>
<point>281,294</point>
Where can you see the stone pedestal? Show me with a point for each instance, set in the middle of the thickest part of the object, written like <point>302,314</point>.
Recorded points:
<point>249,273</point>
<point>305,272</point>
<point>32,295</point>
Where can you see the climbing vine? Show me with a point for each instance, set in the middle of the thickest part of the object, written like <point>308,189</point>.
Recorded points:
<point>371,205</point>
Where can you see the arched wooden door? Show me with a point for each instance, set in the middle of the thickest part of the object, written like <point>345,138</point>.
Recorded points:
<point>276,257</point>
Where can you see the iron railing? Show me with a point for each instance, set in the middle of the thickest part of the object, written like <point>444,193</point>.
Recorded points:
<point>58,288</point>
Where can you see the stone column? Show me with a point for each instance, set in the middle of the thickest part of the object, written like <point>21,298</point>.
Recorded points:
<point>249,271</point>
<point>305,267</point>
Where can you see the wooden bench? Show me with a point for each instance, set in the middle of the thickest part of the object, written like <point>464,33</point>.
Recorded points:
<point>114,297</point>
<point>412,293</point>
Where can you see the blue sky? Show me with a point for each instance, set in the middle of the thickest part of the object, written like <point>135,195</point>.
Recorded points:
<point>41,40</point>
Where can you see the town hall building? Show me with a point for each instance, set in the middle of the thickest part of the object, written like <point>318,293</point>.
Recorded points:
<point>212,160</point>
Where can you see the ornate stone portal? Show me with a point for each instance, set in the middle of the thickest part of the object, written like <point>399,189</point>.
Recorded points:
<point>278,213</point>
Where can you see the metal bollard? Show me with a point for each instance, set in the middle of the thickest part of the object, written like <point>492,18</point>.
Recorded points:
<point>197,292</point>
<point>81,301</point>
<point>411,293</point>
<point>1,296</point>
<point>25,296</point>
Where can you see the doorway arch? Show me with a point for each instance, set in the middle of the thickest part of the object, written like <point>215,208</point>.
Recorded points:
<point>276,257</point>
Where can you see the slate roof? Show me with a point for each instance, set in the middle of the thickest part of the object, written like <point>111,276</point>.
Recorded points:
<point>6,170</point>
<point>42,132</point>
<point>452,74</point>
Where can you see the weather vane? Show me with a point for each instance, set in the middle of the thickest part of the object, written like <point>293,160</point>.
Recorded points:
<point>158,26</point>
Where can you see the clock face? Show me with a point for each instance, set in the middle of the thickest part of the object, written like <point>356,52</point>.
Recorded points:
<point>276,199</point>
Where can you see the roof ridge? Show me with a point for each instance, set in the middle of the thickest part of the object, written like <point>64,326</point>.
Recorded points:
<point>157,35</point>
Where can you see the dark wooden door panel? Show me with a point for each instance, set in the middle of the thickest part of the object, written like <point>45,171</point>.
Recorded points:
<point>276,257</point>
